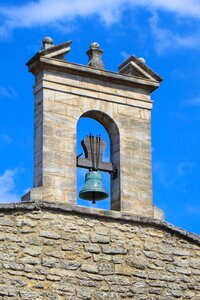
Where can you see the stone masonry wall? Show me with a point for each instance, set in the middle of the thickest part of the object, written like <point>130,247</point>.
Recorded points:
<point>59,254</point>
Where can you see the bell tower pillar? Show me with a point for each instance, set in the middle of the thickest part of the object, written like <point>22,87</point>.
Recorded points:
<point>120,101</point>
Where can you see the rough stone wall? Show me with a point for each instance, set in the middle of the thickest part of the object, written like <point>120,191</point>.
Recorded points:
<point>63,98</point>
<point>58,254</point>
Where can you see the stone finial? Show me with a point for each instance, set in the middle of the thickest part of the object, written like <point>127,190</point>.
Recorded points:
<point>95,56</point>
<point>142,60</point>
<point>47,42</point>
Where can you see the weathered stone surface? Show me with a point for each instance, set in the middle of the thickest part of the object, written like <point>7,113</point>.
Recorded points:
<point>114,250</point>
<point>105,268</point>
<point>53,277</point>
<point>90,268</point>
<point>93,248</point>
<point>49,235</point>
<point>71,265</point>
<point>50,262</point>
<point>26,295</point>
<point>6,290</point>
<point>33,251</point>
<point>13,266</point>
<point>138,262</point>
<point>98,238</point>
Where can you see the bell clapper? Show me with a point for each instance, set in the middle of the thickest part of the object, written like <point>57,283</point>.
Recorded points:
<point>93,200</point>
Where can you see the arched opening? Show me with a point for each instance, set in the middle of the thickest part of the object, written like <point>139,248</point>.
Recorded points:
<point>99,123</point>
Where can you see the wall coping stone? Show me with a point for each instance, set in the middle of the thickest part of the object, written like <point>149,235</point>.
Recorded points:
<point>98,213</point>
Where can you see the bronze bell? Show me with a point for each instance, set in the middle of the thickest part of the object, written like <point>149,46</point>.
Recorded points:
<point>93,188</point>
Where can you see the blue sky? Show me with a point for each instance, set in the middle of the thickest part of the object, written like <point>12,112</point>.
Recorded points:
<point>165,32</point>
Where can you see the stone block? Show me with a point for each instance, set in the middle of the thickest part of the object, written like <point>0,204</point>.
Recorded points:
<point>71,265</point>
<point>101,239</point>
<point>93,248</point>
<point>113,250</point>
<point>89,268</point>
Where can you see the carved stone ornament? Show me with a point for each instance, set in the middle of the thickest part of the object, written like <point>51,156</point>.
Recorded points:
<point>95,56</point>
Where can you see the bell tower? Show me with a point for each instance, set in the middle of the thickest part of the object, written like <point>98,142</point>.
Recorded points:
<point>65,92</point>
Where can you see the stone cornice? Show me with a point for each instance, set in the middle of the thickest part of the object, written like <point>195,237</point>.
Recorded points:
<point>35,66</point>
<point>98,213</point>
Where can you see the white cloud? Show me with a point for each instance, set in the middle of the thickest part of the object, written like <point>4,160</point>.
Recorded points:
<point>177,115</point>
<point>185,168</point>
<point>194,101</point>
<point>7,92</point>
<point>181,7</point>
<point>46,12</point>
<point>166,39</point>
<point>6,139</point>
<point>124,54</point>
<point>8,191</point>
<point>193,209</point>
<point>161,174</point>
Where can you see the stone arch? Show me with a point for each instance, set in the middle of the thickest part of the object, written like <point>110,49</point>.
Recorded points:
<point>113,132</point>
